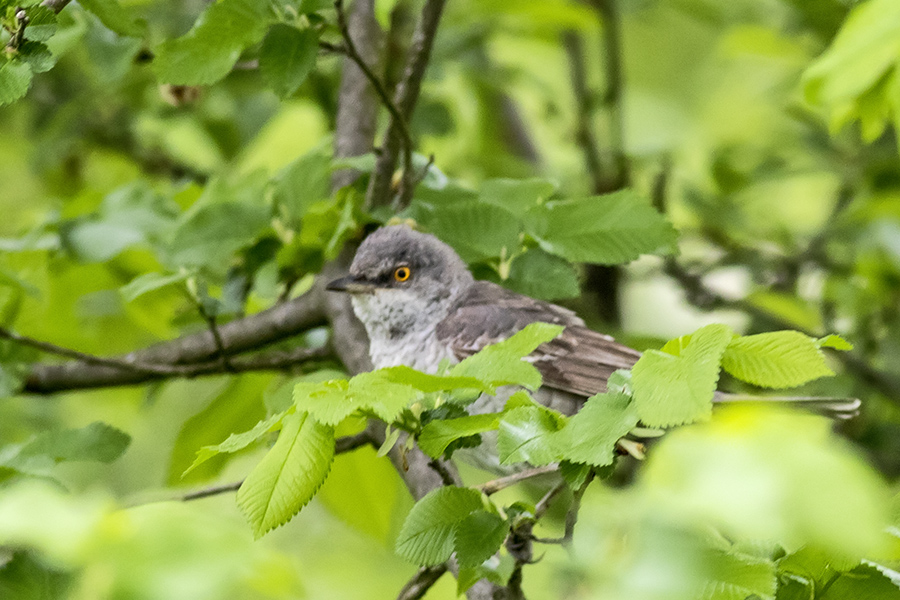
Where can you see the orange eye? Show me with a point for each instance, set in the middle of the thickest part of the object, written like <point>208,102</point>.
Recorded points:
<point>401,273</point>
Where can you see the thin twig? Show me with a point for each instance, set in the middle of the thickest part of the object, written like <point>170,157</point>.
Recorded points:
<point>421,582</point>
<point>571,515</point>
<point>543,505</point>
<point>217,336</point>
<point>495,485</point>
<point>584,131</point>
<point>406,97</point>
<point>396,116</point>
<point>212,491</point>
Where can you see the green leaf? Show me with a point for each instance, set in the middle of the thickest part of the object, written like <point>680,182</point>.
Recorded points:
<point>439,434</point>
<point>834,341</point>
<point>476,230</point>
<point>95,442</point>
<point>331,402</point>
<point>149,282</point>
<point>210,233</point>
<point>732,576</point>
<point>287,56</point>
<point>287,478</point>
<point>671,390</point>
<point>502,364</point>
<point>610,229</point>
<point>865,48</point>
<point>527,434</point>
<point>590,436</point>
<point>478,537</point>
<point>516,195</point>
<point>37,55</point>
<point>302,183</point>
<point>228,411</point>
<point>15,79</point>
<point>777,360</point>
<point>100,241</point>
<point>238,441</point>
<point>427,535</point>
<point>541,275</point>
<point>41,24</point>
<point>496,569</point>
<point>865,582</point>
<point>209,50</point>
<point>114,16</point>
<point>428,383</point>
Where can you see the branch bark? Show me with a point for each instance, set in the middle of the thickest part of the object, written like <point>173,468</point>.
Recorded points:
<point>275,324</point>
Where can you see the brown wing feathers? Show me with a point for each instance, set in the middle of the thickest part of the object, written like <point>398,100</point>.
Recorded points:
<point>579,361</point>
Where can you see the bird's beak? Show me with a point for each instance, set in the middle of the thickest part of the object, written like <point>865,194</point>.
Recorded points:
<point>351,285</point>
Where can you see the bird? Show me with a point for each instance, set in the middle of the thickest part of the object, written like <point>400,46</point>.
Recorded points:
<point>421,306</point>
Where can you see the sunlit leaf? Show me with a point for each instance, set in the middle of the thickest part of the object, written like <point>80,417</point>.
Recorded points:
<point>15,79</point>
<point>289,475</point>
<point>502,364</point>
<point>778,359</point>
<point>671,390</point>
<point>237,441</point>
<point>590,435</point>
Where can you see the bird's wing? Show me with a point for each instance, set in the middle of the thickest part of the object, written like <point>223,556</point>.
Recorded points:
<point>579,361</point>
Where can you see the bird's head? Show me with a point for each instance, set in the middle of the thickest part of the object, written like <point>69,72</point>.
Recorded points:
<point>400,271</point>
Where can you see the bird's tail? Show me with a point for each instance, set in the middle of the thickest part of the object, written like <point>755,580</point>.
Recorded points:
<point>836,408</point>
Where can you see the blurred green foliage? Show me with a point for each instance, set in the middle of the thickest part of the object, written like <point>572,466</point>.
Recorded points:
<point>163,155</point>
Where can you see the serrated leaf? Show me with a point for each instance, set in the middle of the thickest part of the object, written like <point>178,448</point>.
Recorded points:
<point>114,16</point>
<point>287,56</point>
<point>331,402</point>
<point>834,341</point>
<point>610,229</point>
<point>865,582</point>
<point>15,79</point>
<point>427,535</point>
<point>478,537</point>
<point>502,364</point>
<point>671,390</point>
<point>541,275</point>
<point>37,55</point>
<point>590,435</point>
<point>439,434</point>
<point>149,282</point>
<point>209,50</point>
<point>575,474</point>
<point>777,359</point>
<point>288,477</point>
<point>95,442</point>
<point>475,229</point>
<point>237,441</point>
<point>41,23</point>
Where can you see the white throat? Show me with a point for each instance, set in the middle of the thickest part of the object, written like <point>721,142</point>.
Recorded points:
<point>401,328</point>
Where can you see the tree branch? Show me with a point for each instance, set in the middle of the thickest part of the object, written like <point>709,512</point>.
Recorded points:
<point>421,582</point>
<point>406,97</point>
<point>495,485</point>
<point>584,130</point>
<point>242,335</point>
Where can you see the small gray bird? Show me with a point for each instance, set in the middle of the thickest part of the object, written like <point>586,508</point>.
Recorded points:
<point>420,305</point>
